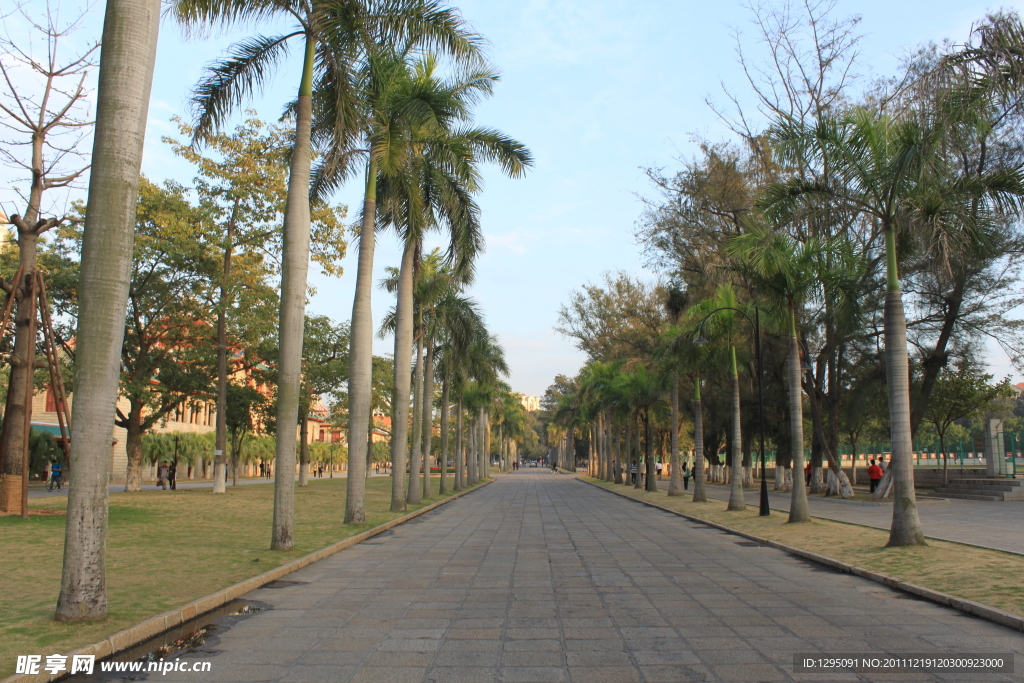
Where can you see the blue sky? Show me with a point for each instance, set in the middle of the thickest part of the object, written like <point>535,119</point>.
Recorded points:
<point>598,89</point>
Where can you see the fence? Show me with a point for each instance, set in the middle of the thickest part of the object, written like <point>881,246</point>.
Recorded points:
<point>969,454</point>
<point>963,454</point>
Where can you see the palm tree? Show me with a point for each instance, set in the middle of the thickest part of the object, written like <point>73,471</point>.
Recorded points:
<point>436,189</point>
<point>644,391</point>
<point>130,31</point>
<point>723,320</point>
<point>788,274</point>
<point>340,36</point>
<point>457,321</point>
<point>890,171</point>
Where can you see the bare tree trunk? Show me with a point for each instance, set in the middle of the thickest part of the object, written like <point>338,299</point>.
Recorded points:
<point>133,448</point>
<point>18,411</point>
<point>652,472</point>
<point>130,29</point>
<point>304,447</point>
<point>699,491</point>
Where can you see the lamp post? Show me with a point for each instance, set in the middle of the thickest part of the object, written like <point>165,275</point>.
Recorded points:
<point>756,322</point>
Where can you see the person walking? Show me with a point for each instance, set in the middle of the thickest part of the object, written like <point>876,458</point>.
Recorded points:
<point>882,464</point>
<point>874,475</point>
<point>172,476</point>
<point>161,476</point>
<point>807,474</point>
<point>56,475</point>
<point>686,477</point>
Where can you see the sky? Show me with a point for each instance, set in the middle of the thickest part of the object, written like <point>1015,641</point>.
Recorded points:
<point>598,90</point>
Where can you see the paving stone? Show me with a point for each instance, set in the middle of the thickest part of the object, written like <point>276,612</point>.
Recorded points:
<point>539,578</point>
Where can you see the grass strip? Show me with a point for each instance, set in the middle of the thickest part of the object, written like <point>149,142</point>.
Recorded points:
<point>164,549</point>
<point>990,577</point>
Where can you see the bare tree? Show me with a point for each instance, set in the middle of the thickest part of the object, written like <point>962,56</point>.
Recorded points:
<point>45,120</point>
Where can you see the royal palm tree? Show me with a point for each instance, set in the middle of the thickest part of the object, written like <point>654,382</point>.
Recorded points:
<point>643,389</point>
<point>130,31</point>
<point>889,170</point>
<point>789,274</point>
<point>713,321</point>
<point>339,37</point>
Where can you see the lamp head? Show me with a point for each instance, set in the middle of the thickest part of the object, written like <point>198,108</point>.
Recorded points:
<point>700,341</point>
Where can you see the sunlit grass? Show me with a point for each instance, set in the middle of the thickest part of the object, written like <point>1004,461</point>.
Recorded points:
<point>164,549</point>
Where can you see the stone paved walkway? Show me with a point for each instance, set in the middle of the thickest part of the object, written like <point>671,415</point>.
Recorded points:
<point>998,525</point>
<point>539,577</point>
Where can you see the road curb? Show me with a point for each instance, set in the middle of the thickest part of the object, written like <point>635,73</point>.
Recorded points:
<point>153,626</point>
<point>997,616</point>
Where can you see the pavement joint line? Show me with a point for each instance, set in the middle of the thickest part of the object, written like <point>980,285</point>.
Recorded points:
<point>976,609</point>
<point>143,631</point>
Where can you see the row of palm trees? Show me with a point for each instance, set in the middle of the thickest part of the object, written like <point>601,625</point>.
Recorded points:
<point>844,194</point>
<point>373,100</point>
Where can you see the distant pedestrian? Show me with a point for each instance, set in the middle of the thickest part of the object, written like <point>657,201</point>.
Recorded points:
<point>882,464</point>
<point>172,476</point>
<point>46,471</point>
<point>56,475</point>
<point>874,475</point>
<point>807,473</point>
<point>632,473</point>
<point>686,477</point>
<point>161,476</point>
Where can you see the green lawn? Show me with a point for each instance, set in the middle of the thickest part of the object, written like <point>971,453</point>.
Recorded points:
<point>165,549</point>
<point>991,577</point>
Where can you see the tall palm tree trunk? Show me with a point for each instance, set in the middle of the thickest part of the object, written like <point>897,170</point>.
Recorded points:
<point>360,390</point>
<point>295,267</point>
<point>736,500</point>
<point>416,455</point>
<point>445,397</point>
<point>460,453</point>
<point>652,472</point>
<point>220,448</point>
<point>906,525</point>
<point>130,29</point>
<point>700,494</point>
<point>798,508</point>
<point>428,417</point>
<point>616,454</point>
<point>635,458</point>
<point>485,444</point>
<point>471,450</point>
<point>606,444</point>
<point>403,380</point>
<point>674,481</point>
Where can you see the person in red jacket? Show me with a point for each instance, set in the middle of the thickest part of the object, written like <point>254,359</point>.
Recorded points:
<point>874,474</point>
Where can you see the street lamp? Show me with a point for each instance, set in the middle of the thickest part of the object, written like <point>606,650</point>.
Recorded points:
<point>756,322</point>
